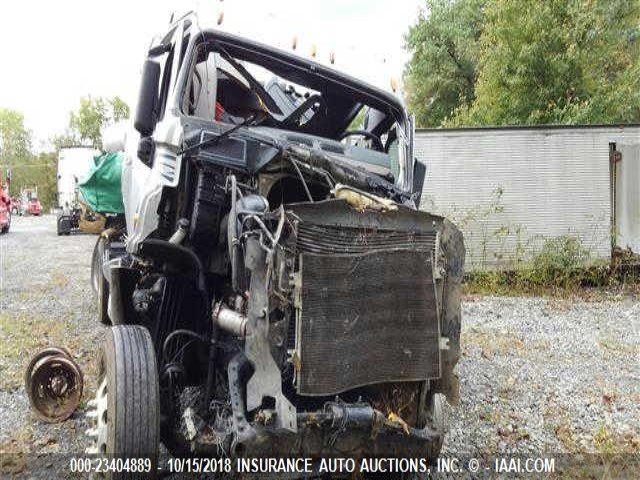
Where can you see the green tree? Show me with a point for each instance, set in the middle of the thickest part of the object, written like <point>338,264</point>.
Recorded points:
<point>608,36</point>
<point>92,116</point>
<point>87,121</point>
<point>119,109</point>
<point>557,61</point>
<point>67,139</point>
<point>444,45</point>
<point>40,170</point>
<point>15,139</point>
<point>27,169</point>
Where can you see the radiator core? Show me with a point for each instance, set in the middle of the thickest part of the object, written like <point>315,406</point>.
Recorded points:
<point>366,318</point>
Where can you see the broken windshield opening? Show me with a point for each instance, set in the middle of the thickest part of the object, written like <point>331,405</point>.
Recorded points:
<point>228,89</point>
<point>229,79</point>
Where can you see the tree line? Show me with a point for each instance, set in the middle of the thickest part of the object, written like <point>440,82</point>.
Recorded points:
<point>29,168</point>
<point>472,63</point>
<point>524,62</point>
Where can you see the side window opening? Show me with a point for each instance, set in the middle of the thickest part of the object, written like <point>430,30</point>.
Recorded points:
<point>165,81</point>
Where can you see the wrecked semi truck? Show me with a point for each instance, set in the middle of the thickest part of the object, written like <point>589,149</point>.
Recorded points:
<point>279,293</point>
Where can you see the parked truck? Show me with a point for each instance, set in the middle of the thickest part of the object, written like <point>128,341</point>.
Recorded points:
<point>96,204</point>
<point>278,292</point>
<point>29,202</point>
<point>74,163</point>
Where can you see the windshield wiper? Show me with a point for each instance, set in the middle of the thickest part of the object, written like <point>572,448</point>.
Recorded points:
<point>218,138</point>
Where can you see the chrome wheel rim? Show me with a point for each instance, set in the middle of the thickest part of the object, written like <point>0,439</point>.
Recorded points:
<point>98,415</point>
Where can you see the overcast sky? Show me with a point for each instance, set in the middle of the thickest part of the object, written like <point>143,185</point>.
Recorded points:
<point>54,52</point>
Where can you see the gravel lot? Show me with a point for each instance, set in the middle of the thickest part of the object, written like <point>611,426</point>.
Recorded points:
<point>45,299</point>
<point>537,374</point>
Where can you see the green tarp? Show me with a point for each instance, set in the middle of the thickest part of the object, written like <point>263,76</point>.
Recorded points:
<point>102,189</point>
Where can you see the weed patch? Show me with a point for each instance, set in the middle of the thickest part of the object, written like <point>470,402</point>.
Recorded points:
<point>562,266</point>
<point>21,336</point>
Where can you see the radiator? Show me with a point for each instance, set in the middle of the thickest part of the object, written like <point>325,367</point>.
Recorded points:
<point>366,305</point>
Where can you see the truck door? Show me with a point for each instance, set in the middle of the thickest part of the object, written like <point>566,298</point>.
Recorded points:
<point>143,176</point>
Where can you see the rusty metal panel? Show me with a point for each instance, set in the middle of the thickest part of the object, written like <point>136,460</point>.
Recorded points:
<point>328,240</point>
<point>365,319</point>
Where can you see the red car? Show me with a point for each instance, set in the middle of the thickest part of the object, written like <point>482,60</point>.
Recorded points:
<point>34,207</point>
<point>5,210</point>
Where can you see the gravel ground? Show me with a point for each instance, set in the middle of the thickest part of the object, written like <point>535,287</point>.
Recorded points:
<point>548,375</point>
<point>45,299</point>
<point>537,374</point>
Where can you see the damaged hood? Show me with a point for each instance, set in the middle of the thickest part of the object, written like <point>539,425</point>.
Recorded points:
<point>252,149</point>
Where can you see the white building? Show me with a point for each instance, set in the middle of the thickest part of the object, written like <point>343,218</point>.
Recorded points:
<point>511,188</point>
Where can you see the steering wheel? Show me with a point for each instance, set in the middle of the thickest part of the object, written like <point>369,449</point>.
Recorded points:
<point>377,143</point>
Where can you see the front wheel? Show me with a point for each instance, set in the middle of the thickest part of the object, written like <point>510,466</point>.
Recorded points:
<point>99,284</point>
<point>96,263</point>
<point>126,408</point>
<point>437,417</point>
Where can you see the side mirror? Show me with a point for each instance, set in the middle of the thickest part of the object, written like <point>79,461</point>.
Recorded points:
<point>147,110</point>
<point>114,138</point>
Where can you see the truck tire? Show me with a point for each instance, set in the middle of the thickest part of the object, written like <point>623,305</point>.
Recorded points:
<point>127,403</point>
<point>439,421</point>
<point>96,264</point>
<point>103,301</point>
<point>99,284</point>
<point>63,225</point>
<point>6,228</point>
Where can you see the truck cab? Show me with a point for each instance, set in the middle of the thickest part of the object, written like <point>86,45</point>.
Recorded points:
<point>280,291</point>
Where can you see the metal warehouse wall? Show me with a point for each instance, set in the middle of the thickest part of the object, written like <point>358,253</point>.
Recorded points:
<point>510,189</point>
<point>627,194</point>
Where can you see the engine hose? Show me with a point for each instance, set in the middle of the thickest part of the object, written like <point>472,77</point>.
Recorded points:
<point>171,253</point>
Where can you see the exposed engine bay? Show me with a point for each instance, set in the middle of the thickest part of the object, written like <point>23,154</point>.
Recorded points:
<point>297,300</point>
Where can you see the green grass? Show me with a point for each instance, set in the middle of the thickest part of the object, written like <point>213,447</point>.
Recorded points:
<point>21,335</point>
<point>609,443</point>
